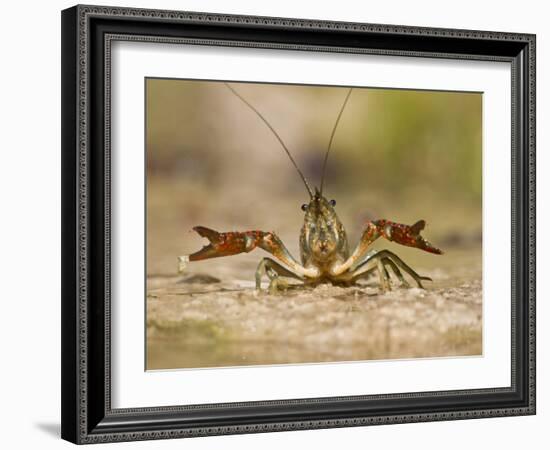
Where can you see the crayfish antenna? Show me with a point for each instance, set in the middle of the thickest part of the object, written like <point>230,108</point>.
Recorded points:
<point>331,138</point>
<point>259,114</point>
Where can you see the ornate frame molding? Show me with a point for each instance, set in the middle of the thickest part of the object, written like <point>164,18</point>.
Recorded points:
<point>79,418</point>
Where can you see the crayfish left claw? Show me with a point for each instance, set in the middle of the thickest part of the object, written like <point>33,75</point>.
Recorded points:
<point>423,244</point>
<point>418,227</point>
<point>408,235</point>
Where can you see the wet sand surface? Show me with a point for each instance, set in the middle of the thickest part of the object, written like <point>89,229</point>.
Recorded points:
<point>216,318</point>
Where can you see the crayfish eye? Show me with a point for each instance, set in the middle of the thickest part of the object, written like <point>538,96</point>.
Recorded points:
<point>333,202</point>
<point>304,207</point>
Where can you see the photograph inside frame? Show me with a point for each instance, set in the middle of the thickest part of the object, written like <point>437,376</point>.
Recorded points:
<point>292,224</point>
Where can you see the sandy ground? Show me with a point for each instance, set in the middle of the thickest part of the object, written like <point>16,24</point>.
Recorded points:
<point>207,320</point>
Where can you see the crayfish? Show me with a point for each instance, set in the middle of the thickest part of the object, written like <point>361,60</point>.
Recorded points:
<point>324,250</point>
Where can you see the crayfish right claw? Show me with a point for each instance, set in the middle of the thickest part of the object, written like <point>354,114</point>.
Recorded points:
<point>226,244</point>
<point>212,235</point>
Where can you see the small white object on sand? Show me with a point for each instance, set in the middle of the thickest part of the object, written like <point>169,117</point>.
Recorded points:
<point>182,263</point>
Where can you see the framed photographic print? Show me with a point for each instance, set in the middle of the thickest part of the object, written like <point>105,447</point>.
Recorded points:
<point>278,224</point>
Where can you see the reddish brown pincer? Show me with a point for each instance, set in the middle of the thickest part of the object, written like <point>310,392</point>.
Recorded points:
<point>226,244</point>
<point>408,235</point>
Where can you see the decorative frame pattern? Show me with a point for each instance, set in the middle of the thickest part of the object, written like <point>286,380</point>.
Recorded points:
<point>88,31</point>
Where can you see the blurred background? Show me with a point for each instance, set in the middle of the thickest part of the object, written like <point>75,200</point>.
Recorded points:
<point>401,155</point>
<point>397,154</point>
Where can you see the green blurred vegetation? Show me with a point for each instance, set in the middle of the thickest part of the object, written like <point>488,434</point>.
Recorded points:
<point>426,138</point>
<point>388,140</point>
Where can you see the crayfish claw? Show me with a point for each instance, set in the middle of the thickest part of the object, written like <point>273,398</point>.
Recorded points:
<point>418,227</point>
<point>225,244</point>
<point>408,235</point>
<point>208,251</point>
<point>208,233</point>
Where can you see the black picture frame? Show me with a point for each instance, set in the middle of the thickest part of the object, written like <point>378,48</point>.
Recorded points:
<point>87,415</point>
